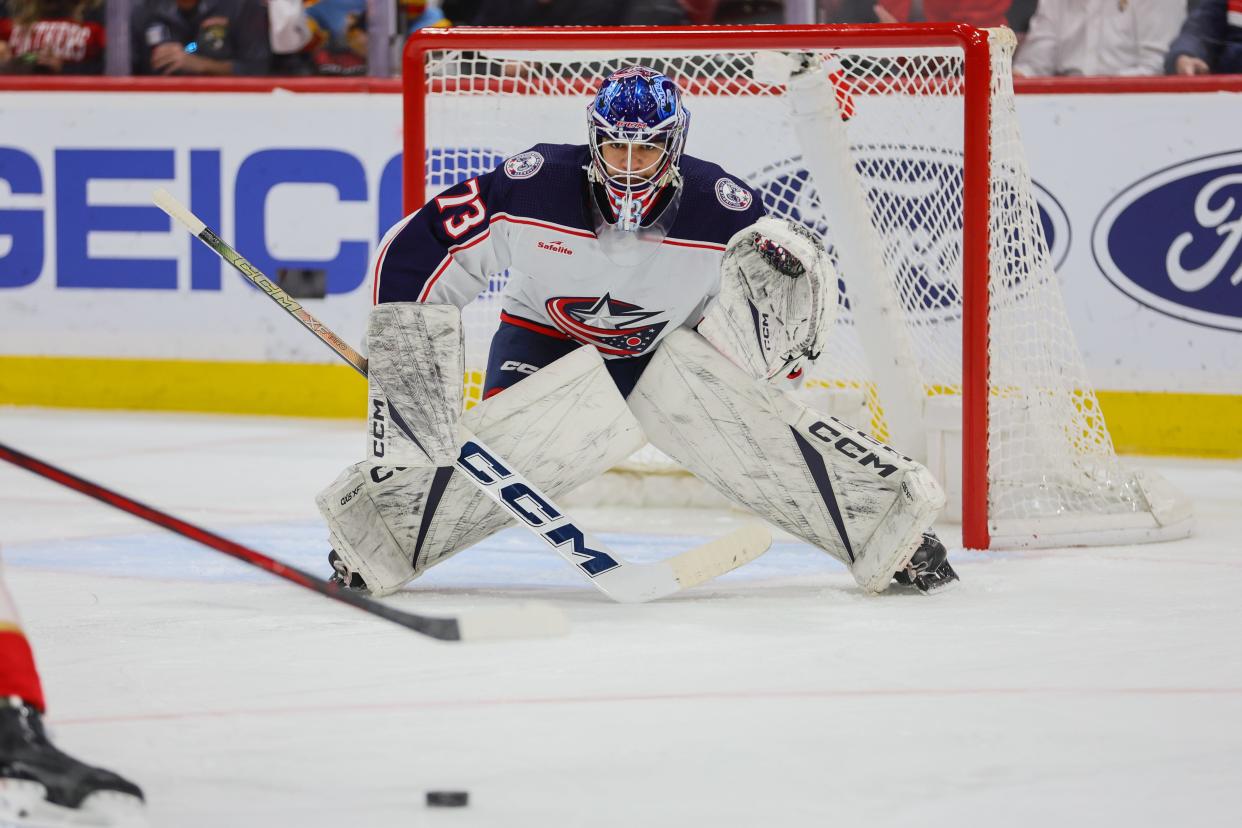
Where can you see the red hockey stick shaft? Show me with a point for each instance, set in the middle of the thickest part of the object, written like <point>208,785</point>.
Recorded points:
<point>444,629</point>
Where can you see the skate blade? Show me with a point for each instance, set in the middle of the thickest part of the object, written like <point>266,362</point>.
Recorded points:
<point>23,804</point>
<point>934,583</point>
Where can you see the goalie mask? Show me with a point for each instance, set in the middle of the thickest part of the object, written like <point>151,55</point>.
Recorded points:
<point>637,130</point>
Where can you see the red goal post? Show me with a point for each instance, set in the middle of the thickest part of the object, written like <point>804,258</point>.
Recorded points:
<point>955,65</point>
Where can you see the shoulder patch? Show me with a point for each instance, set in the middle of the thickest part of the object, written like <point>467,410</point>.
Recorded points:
<point>523,165</point>
<point>733,196</point>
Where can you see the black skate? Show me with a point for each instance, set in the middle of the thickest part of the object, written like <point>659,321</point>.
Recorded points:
<point>929,569</point>
<point>43,785</point>
<point>342,576</point>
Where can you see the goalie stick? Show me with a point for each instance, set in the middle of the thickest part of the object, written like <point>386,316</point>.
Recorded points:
<point>620,580</point>
<point>528,621</point>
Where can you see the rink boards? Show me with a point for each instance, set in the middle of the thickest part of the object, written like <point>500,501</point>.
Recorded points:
<point>104,304</point>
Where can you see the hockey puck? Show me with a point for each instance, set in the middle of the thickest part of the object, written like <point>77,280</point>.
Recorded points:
<point>447,799</point>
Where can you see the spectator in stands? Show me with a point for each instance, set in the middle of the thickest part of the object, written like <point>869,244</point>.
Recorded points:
<point>346,54</point>
<point>1099,37</point>
<point>307,35</point>
<point>847,11</point>
<point>291,36</point>
<point>1016,14</point>
<point>63,37</point>
<point>423,14</point>
<point>1020,14</point>
<point>1210,40</point>
<point>701,11</point>
<point>580,13</point>
<point>332,18</point>
<point>460,11</point>
<point>200,37</point>
<point>981,13</point>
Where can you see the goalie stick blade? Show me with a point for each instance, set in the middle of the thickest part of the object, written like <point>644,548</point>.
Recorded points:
<point>717,557</point>
<point>636,583</point>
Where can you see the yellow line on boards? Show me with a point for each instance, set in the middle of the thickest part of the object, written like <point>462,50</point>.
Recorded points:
<point>1141,422</point>
<point>1180,425</point>
<point>286,389</point>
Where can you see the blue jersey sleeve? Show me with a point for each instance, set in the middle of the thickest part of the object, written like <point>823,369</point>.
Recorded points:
<point>444,252</point>
<point>714,204</point>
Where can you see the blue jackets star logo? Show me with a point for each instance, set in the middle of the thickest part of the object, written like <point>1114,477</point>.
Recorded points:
<point>614,327</point>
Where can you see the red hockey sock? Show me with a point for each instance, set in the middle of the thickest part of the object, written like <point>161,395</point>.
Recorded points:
<point>18,676</point>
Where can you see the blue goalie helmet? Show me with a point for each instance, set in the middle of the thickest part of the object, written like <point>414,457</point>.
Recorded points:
<point>637,126</point>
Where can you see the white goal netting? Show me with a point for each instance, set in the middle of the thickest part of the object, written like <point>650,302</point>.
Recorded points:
<point>893,364</point>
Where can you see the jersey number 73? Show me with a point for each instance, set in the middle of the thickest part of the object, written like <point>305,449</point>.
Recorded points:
<point>457,225</point>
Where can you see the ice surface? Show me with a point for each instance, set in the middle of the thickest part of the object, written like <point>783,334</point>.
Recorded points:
<point>1069,687</point>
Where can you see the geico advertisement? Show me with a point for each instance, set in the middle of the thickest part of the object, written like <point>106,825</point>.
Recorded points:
<point>89,266</point>
<point>1140,197</point>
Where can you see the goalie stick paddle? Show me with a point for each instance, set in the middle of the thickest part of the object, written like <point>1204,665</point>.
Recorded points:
<point>528,621</point>
<point>620,580</point>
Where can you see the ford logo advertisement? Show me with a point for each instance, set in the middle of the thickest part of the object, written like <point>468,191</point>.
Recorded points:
<point>914,187</point>
<point>1173,241</point>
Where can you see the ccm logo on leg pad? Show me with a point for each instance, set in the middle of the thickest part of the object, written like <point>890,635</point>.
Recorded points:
<point>841,437</point>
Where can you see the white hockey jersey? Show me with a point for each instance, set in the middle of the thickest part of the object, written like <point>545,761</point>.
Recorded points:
<point>532,217</point>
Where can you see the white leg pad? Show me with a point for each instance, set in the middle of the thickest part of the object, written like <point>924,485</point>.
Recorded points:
<point>809,474</point>
<point>351,509</point>
<point>561,427</point>
<point>415,377</point>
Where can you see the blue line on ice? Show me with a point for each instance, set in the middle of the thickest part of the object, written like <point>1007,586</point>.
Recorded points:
<point>509,558</point>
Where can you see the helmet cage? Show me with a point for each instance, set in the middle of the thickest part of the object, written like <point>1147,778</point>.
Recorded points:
<point>668,137</point>
<point>622,113</point>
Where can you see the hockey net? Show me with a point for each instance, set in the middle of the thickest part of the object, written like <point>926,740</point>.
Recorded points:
<point>904,231</point>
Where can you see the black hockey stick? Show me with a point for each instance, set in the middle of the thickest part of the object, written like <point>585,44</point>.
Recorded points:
<point>524,622</point>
